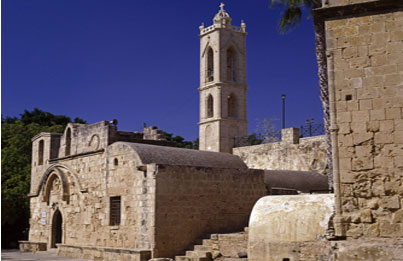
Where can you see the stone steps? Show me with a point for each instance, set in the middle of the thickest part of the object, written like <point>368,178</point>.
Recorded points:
<point>205,247</point>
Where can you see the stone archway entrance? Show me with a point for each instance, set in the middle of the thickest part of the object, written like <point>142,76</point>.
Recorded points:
<point>57,229</point>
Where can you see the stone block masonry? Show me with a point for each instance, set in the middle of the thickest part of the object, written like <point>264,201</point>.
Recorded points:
<point>365,61</point>
<point>292,153</point>
<point>197,201</point>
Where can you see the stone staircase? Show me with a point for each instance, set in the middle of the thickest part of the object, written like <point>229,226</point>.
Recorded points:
<point>217,247</point>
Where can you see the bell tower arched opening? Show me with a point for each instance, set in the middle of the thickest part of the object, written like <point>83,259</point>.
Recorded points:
<point>210,65</point>
<point>231,65</point>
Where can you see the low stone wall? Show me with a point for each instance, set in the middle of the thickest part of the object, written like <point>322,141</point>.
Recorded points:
<point>31,246</point>
<point>103,253</point>
<point>306,154</point>
<point>345,250</point>
<point>229,245</point>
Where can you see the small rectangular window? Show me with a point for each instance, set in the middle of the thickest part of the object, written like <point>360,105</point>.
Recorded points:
<point>114,218</point>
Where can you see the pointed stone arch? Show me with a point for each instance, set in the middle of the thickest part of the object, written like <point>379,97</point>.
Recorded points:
<point>59,171</point>
<point>51,178</point>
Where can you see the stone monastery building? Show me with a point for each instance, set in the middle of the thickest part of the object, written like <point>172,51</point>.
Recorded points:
<point>104,194</point>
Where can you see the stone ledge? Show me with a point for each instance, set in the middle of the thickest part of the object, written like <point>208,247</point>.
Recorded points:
<point>102,253</point>
<point>32,246</point>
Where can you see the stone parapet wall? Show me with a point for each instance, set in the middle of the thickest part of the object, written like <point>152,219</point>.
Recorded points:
<point>365,61</point>
<point>308,154</point>
<point>229,245</point>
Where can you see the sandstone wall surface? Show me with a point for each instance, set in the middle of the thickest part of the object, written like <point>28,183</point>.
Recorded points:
<point>307,155</point>
<point>365,60</point>
<point>90,182</point>
<point>195,201</point>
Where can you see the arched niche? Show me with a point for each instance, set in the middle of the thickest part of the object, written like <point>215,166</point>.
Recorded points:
<point>232,107</point>
<point>210,65</point>
<point>231,64</point>
<point>210,106</point>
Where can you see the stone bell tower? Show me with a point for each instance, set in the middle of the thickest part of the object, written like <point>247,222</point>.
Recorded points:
<point>223,117</point>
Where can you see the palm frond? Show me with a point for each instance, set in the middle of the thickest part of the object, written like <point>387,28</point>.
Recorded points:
<point>293,12</point>
<point>291,18</point>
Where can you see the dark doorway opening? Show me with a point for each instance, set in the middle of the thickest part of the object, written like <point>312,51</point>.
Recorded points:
<point>56,229</point>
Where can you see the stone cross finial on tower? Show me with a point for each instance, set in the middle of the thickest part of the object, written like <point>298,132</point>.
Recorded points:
<point>222,6</point>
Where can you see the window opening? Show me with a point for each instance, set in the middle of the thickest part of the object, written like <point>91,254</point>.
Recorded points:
<point>68,142</point>
<point>40,152</point>
<point>114,219</point>
<point>210,65</point>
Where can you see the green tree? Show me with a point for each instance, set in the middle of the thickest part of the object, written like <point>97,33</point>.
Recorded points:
<point>180,141</point>
<point>291,17</point>
<point>16,135</point>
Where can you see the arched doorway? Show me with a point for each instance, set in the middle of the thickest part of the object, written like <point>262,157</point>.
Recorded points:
<point>57,230</point>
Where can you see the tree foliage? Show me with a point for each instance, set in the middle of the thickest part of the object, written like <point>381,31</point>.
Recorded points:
<point>180,141</point>
<point>267,131</point>
<point>16,135</point>
<point>292,12</point>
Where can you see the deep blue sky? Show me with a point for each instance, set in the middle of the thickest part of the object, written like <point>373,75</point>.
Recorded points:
<point>138,61</point>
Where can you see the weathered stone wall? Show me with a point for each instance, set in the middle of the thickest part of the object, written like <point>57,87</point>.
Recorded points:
<point>365,61</point>
<point>195,201</point>
<point>51,143</point>
<point>345,250</point>
<point>91,180</point>
<point>308,155</point>
<point>229,245</point>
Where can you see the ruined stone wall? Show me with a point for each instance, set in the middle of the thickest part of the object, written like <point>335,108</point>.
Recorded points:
<point>308,155</point>
<point>193,201</point>
<point>365,60</point>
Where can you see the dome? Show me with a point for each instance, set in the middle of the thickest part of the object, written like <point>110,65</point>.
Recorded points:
<point>222,17</point>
